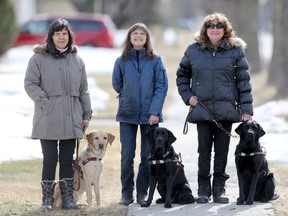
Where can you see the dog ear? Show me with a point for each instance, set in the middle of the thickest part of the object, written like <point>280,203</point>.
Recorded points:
<point>111,138</point>
<point>238,130</point>
<point>261,131</point>
<point>172,138</point>
<point>89,137</point>
<point>149,135</point>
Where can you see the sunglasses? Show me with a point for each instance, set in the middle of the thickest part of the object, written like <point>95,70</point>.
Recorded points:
<point>212,26</point>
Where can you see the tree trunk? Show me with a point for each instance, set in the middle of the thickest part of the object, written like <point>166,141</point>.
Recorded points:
<point>278,75</point>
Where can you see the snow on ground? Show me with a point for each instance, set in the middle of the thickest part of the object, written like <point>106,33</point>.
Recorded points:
<point>16,107</point>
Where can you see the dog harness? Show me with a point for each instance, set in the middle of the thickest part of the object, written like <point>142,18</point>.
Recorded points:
<point>177,161</point>
<point>153,162</point>
<point>90,159</point>
<point>79,169</point>
<point>263,152</point>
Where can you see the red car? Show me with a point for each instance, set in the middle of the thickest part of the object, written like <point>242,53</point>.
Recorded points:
<point>89,29</point>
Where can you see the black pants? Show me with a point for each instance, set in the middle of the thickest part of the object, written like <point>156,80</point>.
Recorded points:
<point>209,133</point>
<point>51,156</point>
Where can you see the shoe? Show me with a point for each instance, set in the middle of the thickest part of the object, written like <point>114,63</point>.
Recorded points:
<point>202,199</point>
<point>126,201</point>
<point>141,199</point>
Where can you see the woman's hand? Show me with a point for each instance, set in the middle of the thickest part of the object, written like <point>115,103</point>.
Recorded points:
<point>193,101</point>
<point>85,125</point>
<point>153,119</point>
<point>246,117</point>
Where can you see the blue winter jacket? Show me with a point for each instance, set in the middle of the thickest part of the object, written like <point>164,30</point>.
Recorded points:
<point>219,79</point>
<point>142,87</point>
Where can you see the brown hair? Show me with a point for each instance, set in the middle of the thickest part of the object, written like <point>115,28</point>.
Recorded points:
<point>229,36</point>
<point>127,45</point>
<point>58,25</point>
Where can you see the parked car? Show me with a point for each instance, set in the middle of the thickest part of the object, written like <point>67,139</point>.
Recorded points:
<point>89,29</point>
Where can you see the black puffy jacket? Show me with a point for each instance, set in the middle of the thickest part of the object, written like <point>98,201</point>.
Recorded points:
<point>219,79</point>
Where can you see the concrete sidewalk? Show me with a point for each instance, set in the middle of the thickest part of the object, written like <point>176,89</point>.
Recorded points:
<point>187,146</point>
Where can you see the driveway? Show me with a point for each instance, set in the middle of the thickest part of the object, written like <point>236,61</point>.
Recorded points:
<point>187,146</point>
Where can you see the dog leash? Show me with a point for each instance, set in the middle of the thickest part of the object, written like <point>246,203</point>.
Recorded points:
<point>185,129</point>
<point>76,164</point>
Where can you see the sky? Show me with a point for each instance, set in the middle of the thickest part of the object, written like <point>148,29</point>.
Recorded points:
<point>16,109</point>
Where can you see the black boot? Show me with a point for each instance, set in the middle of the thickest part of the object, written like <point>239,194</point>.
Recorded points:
<point>219,189</point>
<point>204,189</point>
<point>67,188</point>
<point>47,194</point>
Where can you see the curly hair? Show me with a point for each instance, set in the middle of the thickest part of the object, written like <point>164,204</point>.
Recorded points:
<point>229,36</point>
<point>127,45</point>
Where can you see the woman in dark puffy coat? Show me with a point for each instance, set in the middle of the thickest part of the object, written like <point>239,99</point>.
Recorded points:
<point>213,78</point>
<point>140,79</point>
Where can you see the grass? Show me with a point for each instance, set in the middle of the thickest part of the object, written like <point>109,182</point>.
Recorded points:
<point>21,191</point>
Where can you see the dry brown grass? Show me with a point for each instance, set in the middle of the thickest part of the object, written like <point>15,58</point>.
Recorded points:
<point>21,191</point>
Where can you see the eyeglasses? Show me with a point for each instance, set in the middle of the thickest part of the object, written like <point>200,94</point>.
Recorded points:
<point>212,26</point>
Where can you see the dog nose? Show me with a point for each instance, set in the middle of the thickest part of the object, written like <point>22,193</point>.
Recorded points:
<point>250,131</point>
<point>101,146</point>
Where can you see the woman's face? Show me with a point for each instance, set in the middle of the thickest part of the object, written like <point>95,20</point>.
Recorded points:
<point>61,38</point>
<point>215,32</point>
<point>138,39</point>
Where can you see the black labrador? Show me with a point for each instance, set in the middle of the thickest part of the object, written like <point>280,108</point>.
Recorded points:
<point>166,170</point>
<point>256,182</point>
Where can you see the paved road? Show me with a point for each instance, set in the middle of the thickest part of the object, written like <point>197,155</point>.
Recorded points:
<point>187,145</point>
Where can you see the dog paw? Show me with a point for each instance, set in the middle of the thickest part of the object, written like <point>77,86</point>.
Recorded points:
<point>145,205</point>
<point>240,202</point>
<point>168,205</point>
<point>160,200</point>
<point>249,202</point>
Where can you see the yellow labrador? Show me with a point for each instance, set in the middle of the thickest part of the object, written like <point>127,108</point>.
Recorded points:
<point>90,164</point>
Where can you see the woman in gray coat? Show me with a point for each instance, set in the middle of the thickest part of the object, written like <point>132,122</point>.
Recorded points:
<point>57,83</point>
<point>213,78</point>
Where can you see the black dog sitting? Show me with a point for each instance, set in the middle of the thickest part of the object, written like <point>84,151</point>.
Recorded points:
<point>166,170</point>
<point>256,182</point>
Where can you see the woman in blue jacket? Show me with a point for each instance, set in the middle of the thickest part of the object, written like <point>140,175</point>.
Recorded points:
<point>140,79</point>
<point>213,77</point>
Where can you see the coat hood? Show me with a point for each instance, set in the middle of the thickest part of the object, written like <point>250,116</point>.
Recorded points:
<point>42,49</point>
<point>233,41</point>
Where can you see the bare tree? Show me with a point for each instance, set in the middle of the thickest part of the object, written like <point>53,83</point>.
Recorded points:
<point>123,12</point>
<point>278,75</point>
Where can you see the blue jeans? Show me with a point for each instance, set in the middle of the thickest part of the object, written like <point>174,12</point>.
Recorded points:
<point>128,133</point>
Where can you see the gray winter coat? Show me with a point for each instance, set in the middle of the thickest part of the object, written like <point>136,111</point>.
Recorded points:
<point>220,81</point>
<point>142,87</point>
<point>59,90</point>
